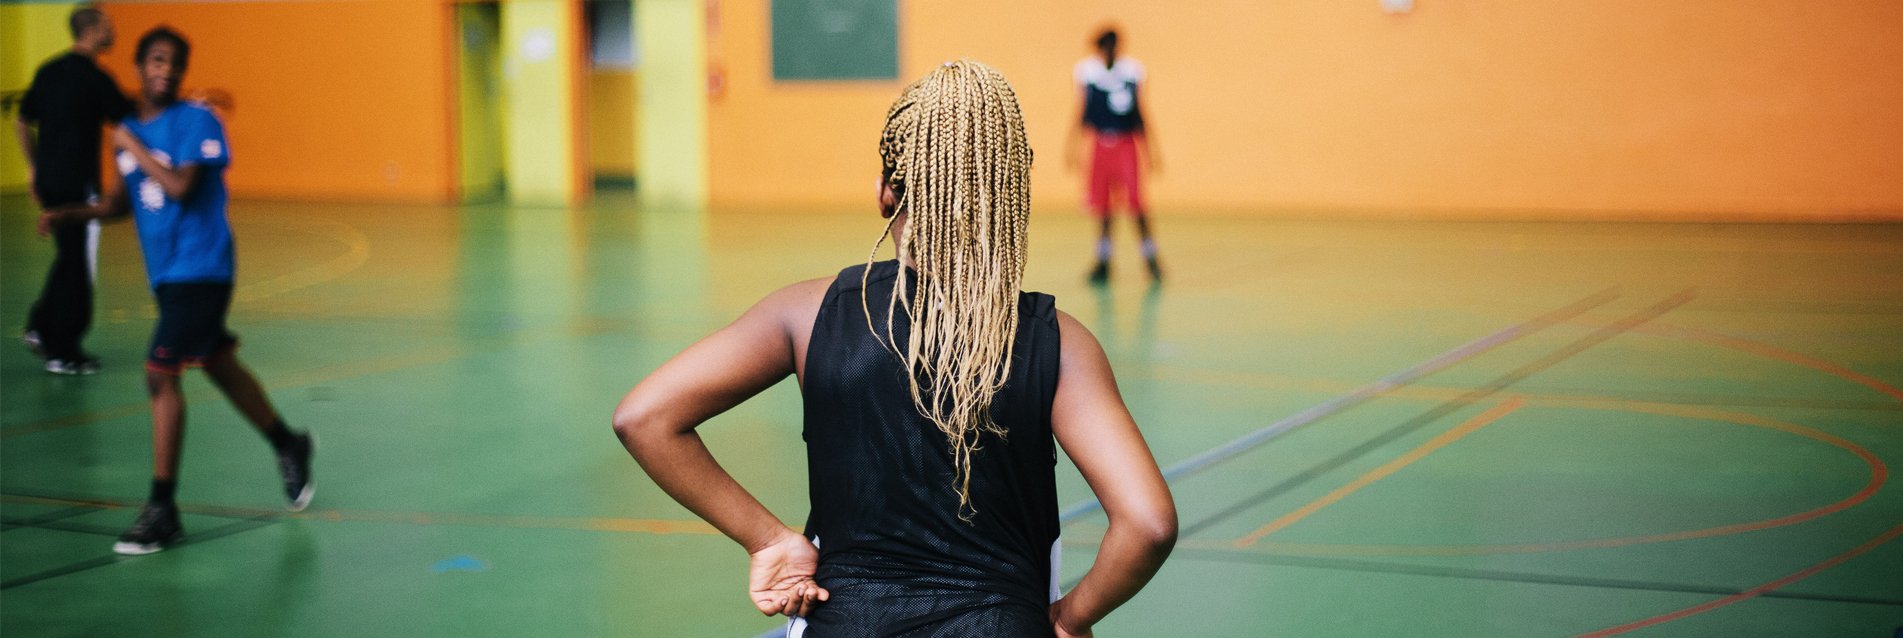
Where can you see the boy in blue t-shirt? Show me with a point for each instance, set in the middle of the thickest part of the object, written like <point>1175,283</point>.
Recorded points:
<point>173,156</point>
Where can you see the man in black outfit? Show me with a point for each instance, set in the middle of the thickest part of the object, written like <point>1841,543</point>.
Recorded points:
<point>69,101</point>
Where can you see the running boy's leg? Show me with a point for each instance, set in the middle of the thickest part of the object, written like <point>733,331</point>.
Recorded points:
<point>168,424</point>
<point>293,448</point>
<point>243,390</point>
<point>158,526</point>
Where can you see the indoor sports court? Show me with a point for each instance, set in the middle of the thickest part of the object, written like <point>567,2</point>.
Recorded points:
<point>1476,319</point>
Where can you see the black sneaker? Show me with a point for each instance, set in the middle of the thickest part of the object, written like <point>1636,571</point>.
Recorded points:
<point>156,529</point>
<point>1101,273</point>
<point>80,365</point>
<point>1156,270</point>
<point>294,466</point>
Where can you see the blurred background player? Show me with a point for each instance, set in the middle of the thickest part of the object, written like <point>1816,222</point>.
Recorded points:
<point>173,156</point>
<point>70,99</point>
<point>1113,117</point>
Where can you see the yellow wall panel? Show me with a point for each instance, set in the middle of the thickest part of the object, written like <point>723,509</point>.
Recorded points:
<point>541,70</point>
<point>671,116</point>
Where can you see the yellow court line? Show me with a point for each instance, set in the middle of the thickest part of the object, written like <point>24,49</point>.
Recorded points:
<point>1478,421</point>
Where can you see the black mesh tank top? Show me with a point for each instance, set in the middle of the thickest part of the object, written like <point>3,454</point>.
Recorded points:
<point>893,553</point>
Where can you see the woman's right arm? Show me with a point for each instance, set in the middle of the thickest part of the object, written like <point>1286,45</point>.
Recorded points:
<point>1097,432</point>
<point>656,421</point>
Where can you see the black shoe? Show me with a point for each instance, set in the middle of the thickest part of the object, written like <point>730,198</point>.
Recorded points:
<point>294,466</point>
<point>156,529</point>
<point>33,344</point>
<point>1101,273</point>
<point>1156,270</point>
<point>80,365</point>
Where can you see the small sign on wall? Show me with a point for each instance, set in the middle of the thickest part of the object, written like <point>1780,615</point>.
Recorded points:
<point>835,40</point>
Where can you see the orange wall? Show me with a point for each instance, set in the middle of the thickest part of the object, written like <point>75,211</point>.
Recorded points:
<point>1775,108</point>
<point>334,100</point>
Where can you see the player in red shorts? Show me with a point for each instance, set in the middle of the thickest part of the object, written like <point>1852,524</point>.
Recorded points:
<point>1113,115</point>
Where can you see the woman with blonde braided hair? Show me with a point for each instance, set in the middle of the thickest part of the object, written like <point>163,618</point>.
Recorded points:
<point>933,389</point>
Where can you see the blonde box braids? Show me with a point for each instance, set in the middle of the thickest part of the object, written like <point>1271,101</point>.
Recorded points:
<point>956,154</point>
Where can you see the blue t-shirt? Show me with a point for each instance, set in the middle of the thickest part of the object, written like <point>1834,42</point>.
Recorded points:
<point>184,241</point>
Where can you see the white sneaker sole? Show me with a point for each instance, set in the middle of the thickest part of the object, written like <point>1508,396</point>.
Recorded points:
<point>124,548</point>
<point>303,499</point>
<point>73,371</point>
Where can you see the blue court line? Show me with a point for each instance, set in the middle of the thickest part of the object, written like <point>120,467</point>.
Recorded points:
<point>1356,397</point>
<point>1360,395</point>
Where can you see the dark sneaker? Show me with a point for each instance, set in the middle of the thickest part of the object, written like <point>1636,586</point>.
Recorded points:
<point>156,529</point>
<point>32,340</point>
<point>1101,273</point>
<point>1156,270</point>
<point>294,466</point>
<point>80,365</point>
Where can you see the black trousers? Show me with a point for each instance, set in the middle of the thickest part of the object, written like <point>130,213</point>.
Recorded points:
<point>64,311</point>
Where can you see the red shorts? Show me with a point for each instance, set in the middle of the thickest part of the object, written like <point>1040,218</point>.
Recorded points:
<point>1113,166</point>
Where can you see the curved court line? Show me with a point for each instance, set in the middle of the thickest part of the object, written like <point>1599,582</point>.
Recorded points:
<point>1359,396</point>
<point>1879,474</point>
<point>1773,352</point>
<point>1445,409</point>
<point>1754,592</point>
<point>1442,440</point>
<point>356,254</point>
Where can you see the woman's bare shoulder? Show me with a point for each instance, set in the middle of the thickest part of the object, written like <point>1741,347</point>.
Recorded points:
<point>795,305</point>
<point>1072,331</point>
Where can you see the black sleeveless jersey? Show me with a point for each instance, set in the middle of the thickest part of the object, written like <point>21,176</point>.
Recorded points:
<point>893,552</point>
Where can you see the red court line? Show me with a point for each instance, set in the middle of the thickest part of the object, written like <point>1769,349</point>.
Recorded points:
<point>1879,475</point>
<point>1754,592</point>
<point>1774,352</point>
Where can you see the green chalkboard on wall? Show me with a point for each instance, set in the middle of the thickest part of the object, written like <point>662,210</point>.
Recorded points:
<point>835,40</point>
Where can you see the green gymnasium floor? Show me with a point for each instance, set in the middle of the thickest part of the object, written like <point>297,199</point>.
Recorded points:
<point>1667,429</point>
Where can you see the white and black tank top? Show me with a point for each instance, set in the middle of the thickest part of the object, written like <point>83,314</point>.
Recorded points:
<point>893,552</point>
